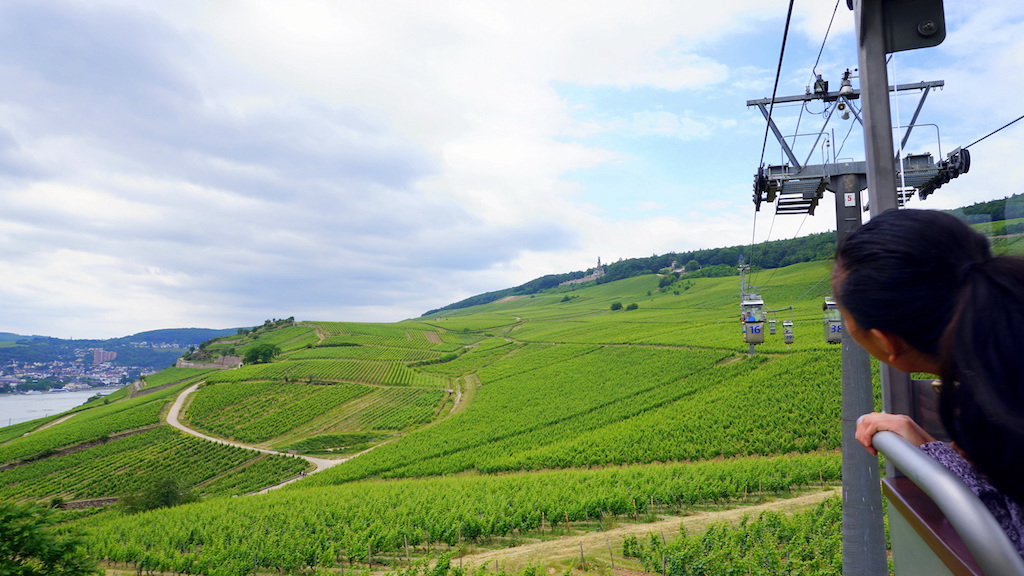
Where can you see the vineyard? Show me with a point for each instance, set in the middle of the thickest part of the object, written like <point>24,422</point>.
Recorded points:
<point>171,376</point>
<point>258,411</point>
<point>772,543</point>
<point>341,370</point>
<point>124,465</point>
<point>662,405</point>
<point>327,527</point>
<point>375,353</point>
<point>486,423</point>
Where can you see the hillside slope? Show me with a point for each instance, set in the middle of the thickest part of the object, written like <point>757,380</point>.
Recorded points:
<point>599,413</point>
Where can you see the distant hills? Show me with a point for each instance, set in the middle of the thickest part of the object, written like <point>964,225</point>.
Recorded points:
<point>155,349</point>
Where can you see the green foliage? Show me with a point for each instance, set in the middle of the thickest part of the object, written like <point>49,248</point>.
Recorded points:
<point>90,424</point>
<point>616,306</point>
<point>126,464</point>
<point>633,306</point>
<point>31,545</point>
<point>324,442</point>
<point>261,353</point>
<point>327,371</point>
<point>716,271</point>
<point>772,543</point>
<point>171,376</point>
<point>354,351</point>
<point>384,515</point>
<point>1006,208</point>
<point>257,474</point>
<point>161,492</point>
<point>486,353</point>
<point>259,411</point>
<point>531,287</point>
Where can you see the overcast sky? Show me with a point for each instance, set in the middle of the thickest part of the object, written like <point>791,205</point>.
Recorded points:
<point>216,163</point>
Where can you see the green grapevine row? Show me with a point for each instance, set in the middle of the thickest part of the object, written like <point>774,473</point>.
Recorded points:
<point>290,338</point>
<point>377,353</point>
<point>473,360</point>
<point>258,474</point>
<point>171,375</point>
<point>538,395</point>
<point>473,323</point>
<point>89,424</point>
<point>387,373</point>
<point>295,530</point>
<point>126,464</point>
<point>259,411</point>
<point>809,542</point>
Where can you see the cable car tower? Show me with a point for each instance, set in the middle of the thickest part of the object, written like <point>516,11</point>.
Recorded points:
<point>796,187</point>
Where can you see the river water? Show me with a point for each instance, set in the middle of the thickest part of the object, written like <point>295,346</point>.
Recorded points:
<point>18,408</point>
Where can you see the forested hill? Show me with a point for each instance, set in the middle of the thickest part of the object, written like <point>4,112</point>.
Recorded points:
<point>154,349</point>
<point>717,262</point>
<point>1008,208</point>
<point>712,262</point>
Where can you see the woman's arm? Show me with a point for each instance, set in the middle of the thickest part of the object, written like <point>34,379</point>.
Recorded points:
<point>901,424</point>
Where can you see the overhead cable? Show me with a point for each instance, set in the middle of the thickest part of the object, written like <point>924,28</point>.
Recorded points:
<point>771,107</point>
<point>778,73</point>
<point>827,276</point>
<point>815,68</point>
<point>1007,125</point>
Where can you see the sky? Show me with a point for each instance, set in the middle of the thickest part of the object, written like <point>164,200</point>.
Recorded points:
<point>216,163</point>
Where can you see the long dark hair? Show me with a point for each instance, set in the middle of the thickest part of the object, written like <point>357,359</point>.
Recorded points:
<point>929,278</point>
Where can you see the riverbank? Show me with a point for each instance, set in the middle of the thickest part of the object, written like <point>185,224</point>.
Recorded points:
<point>18,408</point>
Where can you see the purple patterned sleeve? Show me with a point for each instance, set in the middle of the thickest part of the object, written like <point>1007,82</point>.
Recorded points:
<point>1005,510</point>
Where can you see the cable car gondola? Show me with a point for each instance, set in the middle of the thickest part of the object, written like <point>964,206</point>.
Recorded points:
<point>753,316</point>
<point>833,321</point>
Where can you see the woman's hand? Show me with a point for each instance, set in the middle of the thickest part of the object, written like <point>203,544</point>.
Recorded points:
<point>901,424</point>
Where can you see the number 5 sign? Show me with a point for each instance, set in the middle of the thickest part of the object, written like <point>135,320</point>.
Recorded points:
<point>850,199</point>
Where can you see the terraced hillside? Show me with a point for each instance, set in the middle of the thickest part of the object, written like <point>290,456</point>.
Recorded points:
<point>486,424</point>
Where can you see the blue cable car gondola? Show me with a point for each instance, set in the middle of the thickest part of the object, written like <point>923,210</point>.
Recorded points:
<point>753,315</point>
<point>833,321</point>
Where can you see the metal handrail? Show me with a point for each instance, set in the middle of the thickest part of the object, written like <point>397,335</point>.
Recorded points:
<point>989,545</point>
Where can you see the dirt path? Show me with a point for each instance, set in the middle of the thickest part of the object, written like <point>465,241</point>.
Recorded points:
<point>173,418</point>
<point>47,425</point>
<point>595,544</point>
<point>320,463</point>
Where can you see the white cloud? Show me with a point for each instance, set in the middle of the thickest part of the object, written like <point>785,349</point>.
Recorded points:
<point>218,163</point>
